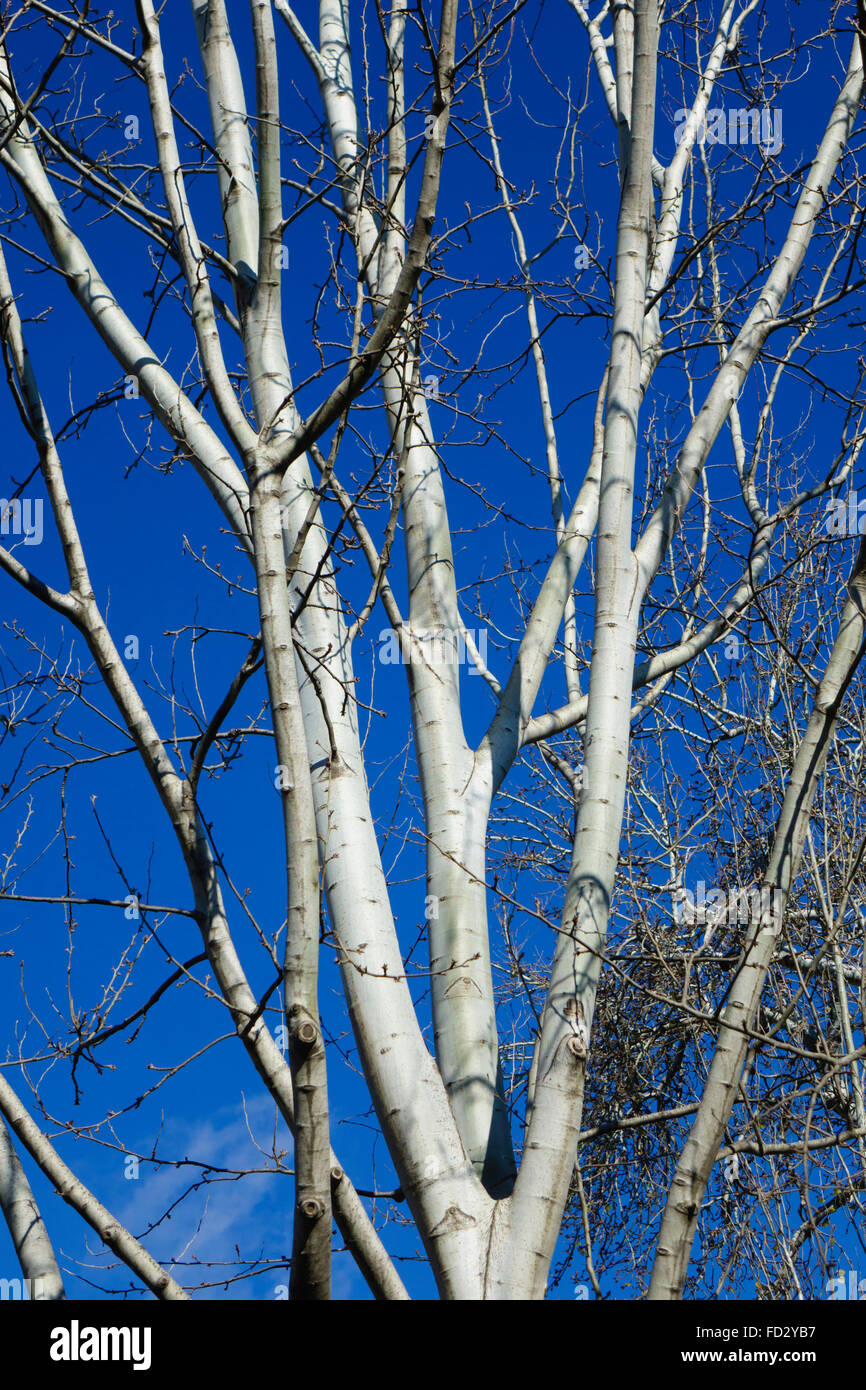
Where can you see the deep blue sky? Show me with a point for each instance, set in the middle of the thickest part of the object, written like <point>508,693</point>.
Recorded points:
<point>136,521</point>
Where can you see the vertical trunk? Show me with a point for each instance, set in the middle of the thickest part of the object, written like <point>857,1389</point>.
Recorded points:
<point>311,1248</point>
<point>702,1146</point>
<point>456,792</point>
<point>272,389</point>
<point>449,1205</point>
<point>542,1183</point>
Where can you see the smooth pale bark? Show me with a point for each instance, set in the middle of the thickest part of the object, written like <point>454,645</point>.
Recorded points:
<point>72,1190</point>
<point>456,786</point>
<point>391,312</point>
<point>451,1208</point>
<point>510,730</point>
<point>445,1125</point>
<point>623,21</point>
<point>654,543</point>
<point>452,778</point>
<point>178,799</point>
<point>657,535</point>
<point>412,1102</point>
<point>511,725</point>
<point>262,322</point>
<point>542,1183</point>
<point>456,789</point>
<point>311,1257</point>
<point>645,672</point>
<point>170,404</point>
<point>26,1227</point>
<point>186,238</point>
<point>268,370</point>
<point>222,954</point>
<point>551,447</point>
<point>576,968</point>
<point>701,1149</point>
<point>236,178</point>
<point>672,191</point>
<point>229,487</point>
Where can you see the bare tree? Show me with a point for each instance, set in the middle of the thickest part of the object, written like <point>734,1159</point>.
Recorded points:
<point>343,253</point>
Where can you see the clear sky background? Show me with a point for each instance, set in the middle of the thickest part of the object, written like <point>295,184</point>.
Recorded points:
<point>145,530</point>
